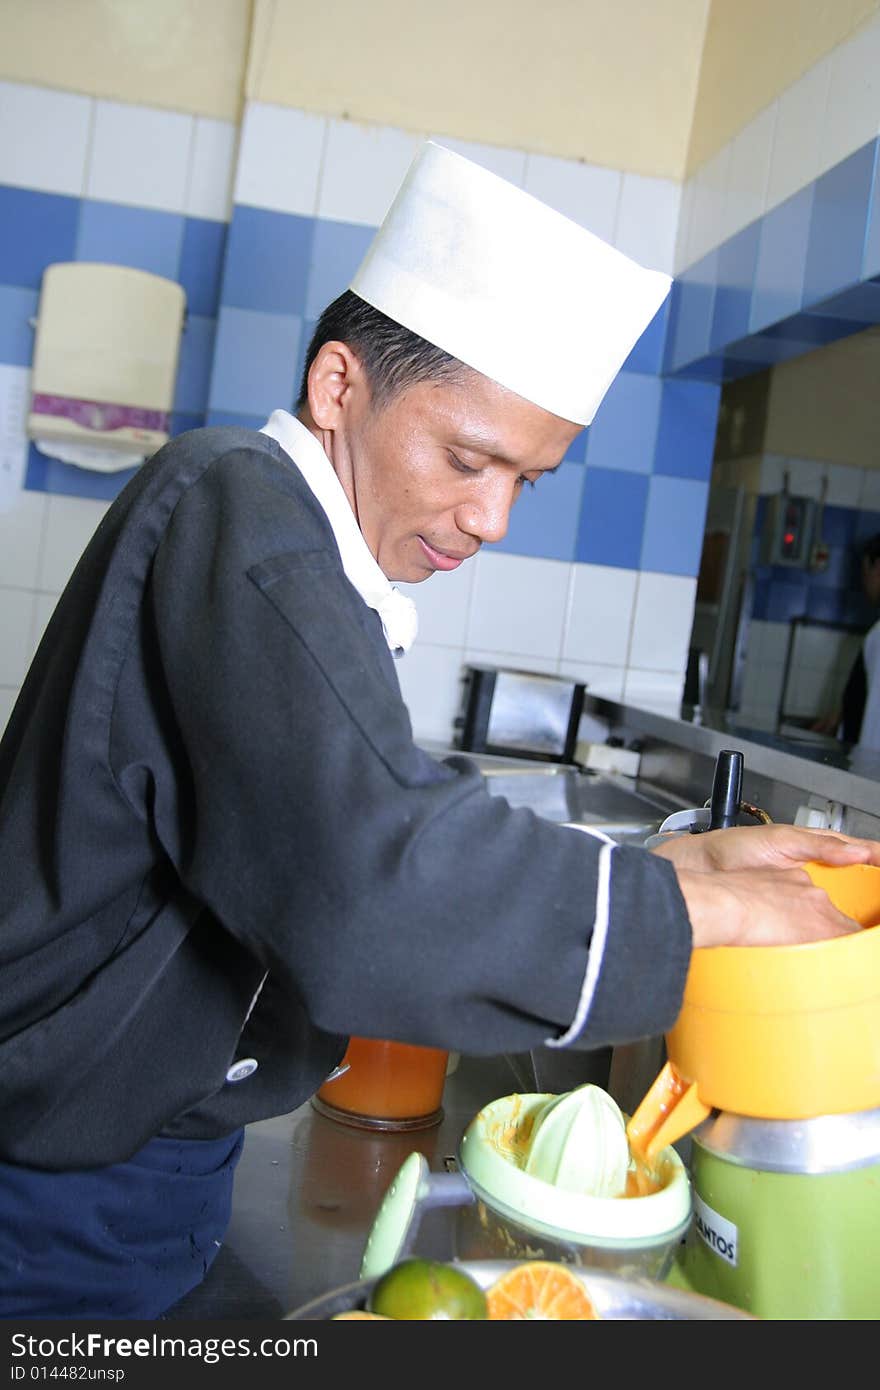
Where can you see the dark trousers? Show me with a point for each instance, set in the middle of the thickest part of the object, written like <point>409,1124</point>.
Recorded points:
<point>125,1241</point>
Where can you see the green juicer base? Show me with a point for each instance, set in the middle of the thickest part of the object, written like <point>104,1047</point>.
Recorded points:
<point>787,1245</point>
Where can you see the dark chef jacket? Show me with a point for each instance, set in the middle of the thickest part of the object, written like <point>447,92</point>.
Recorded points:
<point>218,840</point>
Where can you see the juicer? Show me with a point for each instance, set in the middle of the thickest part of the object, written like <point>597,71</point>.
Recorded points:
<point>541,1176</point>
<point>774,1071</point>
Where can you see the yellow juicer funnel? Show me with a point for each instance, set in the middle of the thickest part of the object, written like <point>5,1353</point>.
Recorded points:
<point>778,1032</point>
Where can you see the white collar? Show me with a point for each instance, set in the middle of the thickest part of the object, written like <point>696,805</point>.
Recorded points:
<point>398,613</point>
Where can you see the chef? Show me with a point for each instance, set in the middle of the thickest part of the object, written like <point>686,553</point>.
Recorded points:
<point>221,851</point>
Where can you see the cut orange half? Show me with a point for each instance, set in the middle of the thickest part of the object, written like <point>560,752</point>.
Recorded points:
<point>540,1289</point>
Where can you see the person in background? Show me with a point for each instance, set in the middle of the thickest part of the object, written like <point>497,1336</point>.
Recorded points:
<point>222,851</point>
<point>856,721</point>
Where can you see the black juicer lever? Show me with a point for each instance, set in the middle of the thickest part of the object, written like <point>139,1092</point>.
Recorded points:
<point>724,803</point>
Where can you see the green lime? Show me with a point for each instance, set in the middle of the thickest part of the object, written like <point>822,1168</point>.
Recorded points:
<point>423,1289</point>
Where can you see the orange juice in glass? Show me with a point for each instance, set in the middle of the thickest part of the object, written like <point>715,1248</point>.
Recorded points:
<point>387,1085</point>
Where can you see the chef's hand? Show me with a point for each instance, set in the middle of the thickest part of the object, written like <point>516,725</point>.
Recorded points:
<point>765,847</point>
<point>759,907</point>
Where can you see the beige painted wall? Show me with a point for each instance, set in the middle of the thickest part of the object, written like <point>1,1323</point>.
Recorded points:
<point>610,83</point>
<point>755,49</point>
<point>630,84</point>
<point>183,55</point>
<point>824,405</point>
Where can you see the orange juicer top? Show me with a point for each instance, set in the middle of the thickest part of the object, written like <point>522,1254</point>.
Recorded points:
<point>779,1032</point>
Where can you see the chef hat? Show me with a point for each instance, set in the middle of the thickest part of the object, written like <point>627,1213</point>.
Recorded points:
<point>507,285</point>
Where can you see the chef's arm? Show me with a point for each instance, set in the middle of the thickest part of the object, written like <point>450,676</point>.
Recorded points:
<point>762,896</point>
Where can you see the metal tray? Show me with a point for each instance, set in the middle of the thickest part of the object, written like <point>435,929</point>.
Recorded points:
<point>615,1298</point>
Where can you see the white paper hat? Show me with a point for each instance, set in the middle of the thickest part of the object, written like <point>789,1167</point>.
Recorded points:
<point>506,284</point>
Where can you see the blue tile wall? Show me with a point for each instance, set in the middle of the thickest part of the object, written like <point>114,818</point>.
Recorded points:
<point>267,261</point>
<point>201,264</point>
<point>803,275</point>
<point>337,250</point>
<point>737,260</point>
<point>837,230</point>
<point>17,307</point>
<point>255,361</point>
<point>141,237</point>
<point>647,355</point>
<point>871,263</point>
<point>612,518</point>
<point>624,431</point>
<point>194,367</point>
<point>35,230</point>
<point>686,429</point>
<point>778,290</point>
<point>675,519</point>
<point>544,519</point>
<point>691,313</point>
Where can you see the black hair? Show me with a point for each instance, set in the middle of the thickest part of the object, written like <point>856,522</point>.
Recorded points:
<point>392,356</point>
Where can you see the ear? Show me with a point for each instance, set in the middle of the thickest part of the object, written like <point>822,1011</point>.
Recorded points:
<point>336,381</point>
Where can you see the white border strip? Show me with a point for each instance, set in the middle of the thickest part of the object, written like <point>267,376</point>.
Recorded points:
<point>597,945</point>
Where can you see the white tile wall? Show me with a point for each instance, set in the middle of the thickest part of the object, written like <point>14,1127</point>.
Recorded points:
<point>763,672</point>
<point>662,622</point>
<point>16,606</point>
<point>853,112</point>
<point>586,193</point>
<point>70,524</point>
<point>363,168</point>
<point>508,164</point>
<point>511,661</point>
<point>518,606</point>
<point>279,160</point>
<point>869,499</point>
<point>804,476</point>
<point>443,603</point>
<point>431,684</point>
<point>212,169</point>
<point>21,532</point>
<point>44,607</point>
<point>140,156</point>
<point>44,137</point>
<point>800,119</point>
<point>707,229</point>
<point>845,485</point>
<point>8,697</point>
<point>661,690</point>
<point>600,615</point>
<point>647,218</point>
<point>601,680</point>
<point>745,195</point>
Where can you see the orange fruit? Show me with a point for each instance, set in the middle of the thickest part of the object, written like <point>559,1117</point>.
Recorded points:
<point>418,1289</point>
<point>540,1289</point>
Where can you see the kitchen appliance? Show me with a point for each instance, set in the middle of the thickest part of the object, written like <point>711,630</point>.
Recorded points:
<point>520,713</point>
<point>774,1071</point>
<point>507,1212</point>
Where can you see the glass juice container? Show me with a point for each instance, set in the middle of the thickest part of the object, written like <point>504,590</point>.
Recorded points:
<point>386,1085</point>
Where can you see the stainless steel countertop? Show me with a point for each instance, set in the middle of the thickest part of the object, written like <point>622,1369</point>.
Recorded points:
<point>307,1189</point>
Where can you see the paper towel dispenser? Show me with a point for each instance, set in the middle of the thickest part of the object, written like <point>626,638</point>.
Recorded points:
<point>105,363</point>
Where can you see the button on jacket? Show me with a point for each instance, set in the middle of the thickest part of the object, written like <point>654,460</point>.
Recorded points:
<point>219,842</point>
